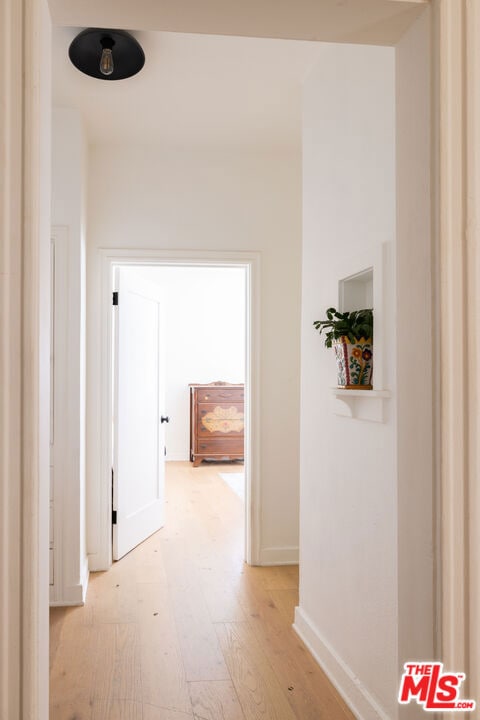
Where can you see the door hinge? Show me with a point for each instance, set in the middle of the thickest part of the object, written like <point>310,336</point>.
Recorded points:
<point>165,450</point>
<point>114,512</point>
<point>115,297</point>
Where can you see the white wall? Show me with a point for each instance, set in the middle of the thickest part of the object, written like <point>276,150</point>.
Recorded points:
<point>204,337</point>
<point>211,199</point>
<point>348,589</point>
<point>69,160</point>
<point>417,341</point>
<point>367,586</point>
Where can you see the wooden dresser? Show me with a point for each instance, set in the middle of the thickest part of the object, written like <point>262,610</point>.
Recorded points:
<point>216,422</point>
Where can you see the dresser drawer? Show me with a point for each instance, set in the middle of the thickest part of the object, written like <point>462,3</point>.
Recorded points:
<point>219,446</point>
<point>220,420</point>
<point>220,395</point>
<point>216,422</point>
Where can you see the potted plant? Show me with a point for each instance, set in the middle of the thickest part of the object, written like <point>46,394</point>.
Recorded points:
<point>351,335</point>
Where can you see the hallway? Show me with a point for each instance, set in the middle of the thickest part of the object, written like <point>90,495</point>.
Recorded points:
<point>181,628</point>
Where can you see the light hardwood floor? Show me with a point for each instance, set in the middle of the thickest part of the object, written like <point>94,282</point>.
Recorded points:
<point>182,629</point>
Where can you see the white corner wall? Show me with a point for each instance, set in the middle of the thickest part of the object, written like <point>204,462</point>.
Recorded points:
<point>348,588</point>
<point>69,172</point>
<point>418,341</point>
<point>366,544</point>
<point>204,337</point>
<point>211,199</point>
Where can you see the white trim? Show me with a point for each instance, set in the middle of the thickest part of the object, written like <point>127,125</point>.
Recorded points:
<point>11,356</point>
<point>24,241</point>
<point>102,559</point>
<point>78,598</point>
<point>59,454</point>
<point>74,594</point>
<point>355,694</point>
<point>84,577</point>
<point>458,58</point>
<point>472,26</point>
<point>279,556</point>
<point>68,564</point>
<point>345,393</point>
<point>453,313</point>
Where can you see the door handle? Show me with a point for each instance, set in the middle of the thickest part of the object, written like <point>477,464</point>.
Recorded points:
<point>164,418</point>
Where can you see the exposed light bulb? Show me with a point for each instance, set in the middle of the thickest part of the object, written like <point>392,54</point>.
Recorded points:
<point>106,62</point>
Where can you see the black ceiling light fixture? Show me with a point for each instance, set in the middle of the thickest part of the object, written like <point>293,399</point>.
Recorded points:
<point>107,54</point>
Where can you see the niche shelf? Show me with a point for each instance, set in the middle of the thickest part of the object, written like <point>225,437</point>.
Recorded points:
<point>360,404</point>
<point>356,291</point>
<point>361,286</point>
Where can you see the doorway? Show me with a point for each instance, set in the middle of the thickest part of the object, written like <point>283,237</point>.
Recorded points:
<point>162,267</point>
<point>179,357</point>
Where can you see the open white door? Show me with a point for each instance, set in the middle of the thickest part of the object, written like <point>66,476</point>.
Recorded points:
<point>139,436</point>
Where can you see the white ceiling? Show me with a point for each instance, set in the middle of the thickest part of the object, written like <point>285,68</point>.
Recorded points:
<point>368,21</point>
<point>211,77</point>
<point>194,90</point>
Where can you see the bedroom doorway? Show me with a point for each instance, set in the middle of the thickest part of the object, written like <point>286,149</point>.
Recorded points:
<point>200,318</point>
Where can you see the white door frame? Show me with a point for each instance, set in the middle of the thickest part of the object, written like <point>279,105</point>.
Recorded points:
<point>24,241</point>
<point>457,60</point>
<point>178,258</point>
<point>25,71</point>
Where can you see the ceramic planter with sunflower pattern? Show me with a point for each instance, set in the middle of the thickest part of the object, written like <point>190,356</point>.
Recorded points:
<point>354,363</point>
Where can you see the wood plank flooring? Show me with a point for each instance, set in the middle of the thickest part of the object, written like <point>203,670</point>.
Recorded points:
<point>182,629</point>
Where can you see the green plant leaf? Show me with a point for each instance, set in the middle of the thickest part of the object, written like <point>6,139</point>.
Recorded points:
<point>355,325</point>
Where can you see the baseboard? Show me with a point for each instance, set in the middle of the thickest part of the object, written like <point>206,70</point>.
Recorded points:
<point>279,556</point>
<point>98,563</point>
<point>357,697</point>
<point>72,594</point>
<point>66,603</point>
